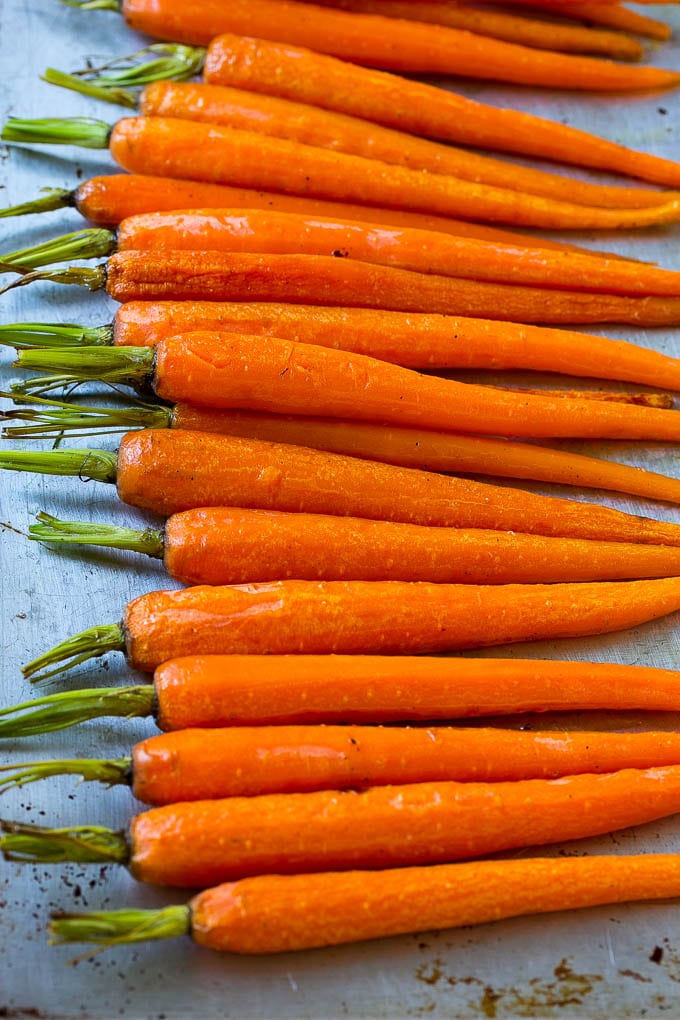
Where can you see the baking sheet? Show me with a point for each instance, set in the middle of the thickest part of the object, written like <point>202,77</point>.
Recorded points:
<point>613,962</point>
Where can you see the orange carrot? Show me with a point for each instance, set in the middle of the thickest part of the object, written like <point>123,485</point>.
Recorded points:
<point>499,24</point>
<point>414,448</point>
<point>251,690</point>
<point>169,471</point>
<point>320,80</point>
<point>108,200</point>
<point>358,617</point>
<point>282,233</point>
<point>201,842</point>
<point>232,546</point>
<point>274,914</point>
<point>389,43</point>
<point>612,15</point>
<point>281,118</point>
<point>228,370</point>
<point>195,764</point>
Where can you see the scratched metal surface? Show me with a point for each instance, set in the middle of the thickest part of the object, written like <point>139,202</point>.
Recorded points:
<point>606,962</point>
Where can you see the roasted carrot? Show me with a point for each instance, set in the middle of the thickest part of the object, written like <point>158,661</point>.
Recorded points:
<point>229,370</point>
<point>169,471</point>
<point>427,450</point>
<point>170,147</point>
<point>499,24</point>
<point>613,15</point>
<point>274,914</point>
<point>389,43</point>
<point>407,105</point>
<point>414,341</point>
<point>220,545</point>
<point>299,122</point>
<point>358,617</point>
<point>195,764</point>
<point>108,200</point>
<point>196,843</point>
<point>325,280</point>
<point>251,690</point>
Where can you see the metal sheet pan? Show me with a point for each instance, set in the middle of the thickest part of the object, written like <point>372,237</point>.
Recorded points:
<point>606,962</point>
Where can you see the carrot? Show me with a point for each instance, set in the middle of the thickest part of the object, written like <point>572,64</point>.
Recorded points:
<point>420,109</point>
<point>414,341</point>
<point>108,200</point>
<point>195,764</point>
<point>613,15</point>
<point>389,43</point>
<point>170,147</point>
<point>273,914</point>
<point>299,122</point>
<point>414,448</point>
<point>228,370</point>
<point>234,546</point>
<point>358,617</point>
<point>251,690</point>
<point>527,31</point>
<point>166,472</point>
<point>197,843</point>
<point>324,280</point>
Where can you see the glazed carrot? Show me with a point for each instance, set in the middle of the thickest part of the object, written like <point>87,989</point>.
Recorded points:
<point>274,914</point>
<point>197,843</point>
<point>324,280</point>
<point>612,15</point>
<point>195,764</point>
<point>252,690</point>
<point>232,546</point>
<point>358,617</point>
<point>499,24</point>
<point>314,78</point>
<point>170,147</point>
<point>414,341</point>
<point>389,43</point>
<point>108,200</point>
<point>414,448</point>
<point>659,400</point>
<point>228,370</point>
<point>169,471</point>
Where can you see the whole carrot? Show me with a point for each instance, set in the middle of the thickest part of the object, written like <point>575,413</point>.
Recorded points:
<point>389,43</point>
<point>273,914</point>
<point>325,280</point>
<point>412,340</point>
<point>170,147</point>
<point>267,374</point>
<point>275,690</point>
<point>169,471</point>
<point>358,617</point>
<point>197,843</point>
<point>109,199</point>
<point>613,15</point>
<point>199,764</point>
<point>499,24</point>
<point>320,80</point>
<point>232,546</point>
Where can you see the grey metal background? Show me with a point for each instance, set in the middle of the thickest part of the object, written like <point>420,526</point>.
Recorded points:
<point>592,964</point>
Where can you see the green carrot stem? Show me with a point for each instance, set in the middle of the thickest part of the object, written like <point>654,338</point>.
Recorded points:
<point>50,529</point>
<point>57,416</point>
<point>88,644</point>
<point>54,198</point>
<point>92,243</point>
<point>93,279</point>
<point>119,81</point>
<point>21,335</point>
<point>69,708</point>
<point>120,927</point>
<point>83,844</point>
<point>126,366</point>
<point>85,132</point>
<point>109,771</point>
<point>94,5</point>
<point>88,465</point>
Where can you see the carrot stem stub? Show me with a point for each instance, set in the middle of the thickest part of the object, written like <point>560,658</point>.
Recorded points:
<point>273,914</point>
